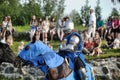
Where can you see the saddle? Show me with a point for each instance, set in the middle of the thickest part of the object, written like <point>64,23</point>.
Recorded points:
<point>59,72</point>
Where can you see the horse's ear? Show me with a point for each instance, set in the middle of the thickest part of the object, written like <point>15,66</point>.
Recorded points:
<point>27,47</point>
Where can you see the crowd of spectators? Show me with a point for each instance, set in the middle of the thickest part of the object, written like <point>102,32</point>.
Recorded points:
<point>92,38</point>
<point>50,27</point>
<point>98,31</point>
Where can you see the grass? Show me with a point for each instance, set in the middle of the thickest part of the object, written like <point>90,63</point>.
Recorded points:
<point>81,28</point>
<point>55,44</point>
<point>21,28</point>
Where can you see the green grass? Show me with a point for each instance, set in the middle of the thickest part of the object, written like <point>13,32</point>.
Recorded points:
<point>81,28</point>
<point>55,44</point>
<point>27,28</point>
<point>2,77</point>
<point>107,53</point>
<point>22,28</point>
<point>15,45</point>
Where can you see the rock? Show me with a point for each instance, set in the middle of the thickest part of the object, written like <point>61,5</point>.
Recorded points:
<point>118,59</point>
<point>105,70</point>
<point>118,65</point>
<point>1,69</point>
<point>4,64</point>
<point>42,78</point>
<point>98,70</point>
<point>9,70</point>
<point>27,78</point>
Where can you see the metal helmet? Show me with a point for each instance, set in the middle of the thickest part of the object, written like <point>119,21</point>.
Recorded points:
<point>74,40</point>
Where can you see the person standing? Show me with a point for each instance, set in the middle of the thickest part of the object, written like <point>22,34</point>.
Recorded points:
<point>92,23</point>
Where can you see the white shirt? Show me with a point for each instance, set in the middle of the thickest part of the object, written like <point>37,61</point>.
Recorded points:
<point>4,24</point>
<point>92,19</point>
<point>69,25</point>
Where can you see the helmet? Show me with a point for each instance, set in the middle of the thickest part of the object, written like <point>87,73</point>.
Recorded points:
<point>74,40</point>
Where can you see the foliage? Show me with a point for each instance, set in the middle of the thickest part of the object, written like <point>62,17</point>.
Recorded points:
<point>98,9</point>
<point>75,17</point>
<point>53,8</point>
<point>115,1</point>
<point>21,12</point>
<point>115,12</point>
<point>85,12</point>
<point>60,9</point>
<point>31,8</point>
<point>2,77</point>
<point>9,7</point>
<point>22,28</point>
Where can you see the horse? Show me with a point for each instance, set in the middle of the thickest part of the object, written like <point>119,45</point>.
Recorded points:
<point>65,64</point>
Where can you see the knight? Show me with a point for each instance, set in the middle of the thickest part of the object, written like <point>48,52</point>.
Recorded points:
<point>73,53</point>
<point>64,65</point>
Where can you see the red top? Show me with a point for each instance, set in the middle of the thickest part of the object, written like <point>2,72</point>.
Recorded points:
<point>89,45</point>
<point>116,23</point>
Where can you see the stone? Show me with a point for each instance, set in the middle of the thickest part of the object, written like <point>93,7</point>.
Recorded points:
<point>9,70</point>
<point>105,70</point>
<point>27,78</point>
<point>42,78</point>
<point>1,69</point>
<point>118,59</point>
<point>4,65</point>
<point>98,71</point>
<point>118,65</point>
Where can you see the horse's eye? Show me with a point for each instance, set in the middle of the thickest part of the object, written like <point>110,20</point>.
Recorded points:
<point>27,47</point>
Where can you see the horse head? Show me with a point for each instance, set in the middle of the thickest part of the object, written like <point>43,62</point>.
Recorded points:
<point>6,54</point>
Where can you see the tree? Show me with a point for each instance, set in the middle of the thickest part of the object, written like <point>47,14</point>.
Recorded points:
<point>115,1</point>
<point>53,7</point>
<point>115,12</point>
<point>9,7</point>
<point>85,12</point>
<point>98,9</point>
<point>21,12</point>
<point>49,7</point>
<point>75,16</point>
<point>31,8</point>
<point>60,9</point>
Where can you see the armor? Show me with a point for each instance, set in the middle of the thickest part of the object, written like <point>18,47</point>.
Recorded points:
<point>74,41</point>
